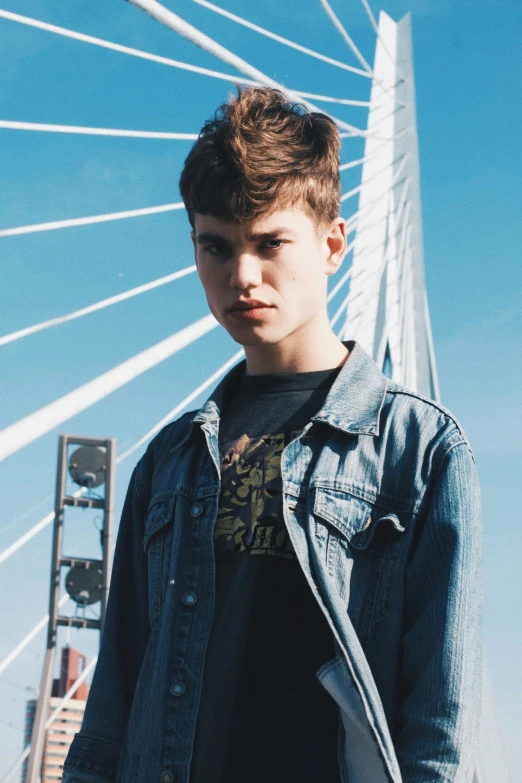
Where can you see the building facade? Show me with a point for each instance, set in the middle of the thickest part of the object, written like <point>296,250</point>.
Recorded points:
<point>68,721</point>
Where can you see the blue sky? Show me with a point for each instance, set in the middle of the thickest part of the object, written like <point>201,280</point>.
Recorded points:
<point>468,69</point>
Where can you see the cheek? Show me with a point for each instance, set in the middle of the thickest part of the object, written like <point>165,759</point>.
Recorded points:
<point>308,284</point>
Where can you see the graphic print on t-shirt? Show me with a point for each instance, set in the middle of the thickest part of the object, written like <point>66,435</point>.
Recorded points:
<point>250,515</point>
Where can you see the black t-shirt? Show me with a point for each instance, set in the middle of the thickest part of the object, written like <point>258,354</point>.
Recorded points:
<point>264,717</point>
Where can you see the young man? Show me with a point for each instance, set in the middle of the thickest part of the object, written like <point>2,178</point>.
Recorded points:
<point>296,591</point>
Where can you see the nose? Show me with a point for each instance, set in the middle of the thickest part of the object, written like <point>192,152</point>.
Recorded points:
<point>245,272</point>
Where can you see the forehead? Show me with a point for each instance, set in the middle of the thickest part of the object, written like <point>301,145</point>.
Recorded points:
<point>292,220</point>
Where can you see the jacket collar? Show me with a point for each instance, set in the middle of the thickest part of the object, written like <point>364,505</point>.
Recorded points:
<point>352,405</point>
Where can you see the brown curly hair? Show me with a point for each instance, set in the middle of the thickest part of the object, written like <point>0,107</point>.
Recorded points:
<point>261,151</point>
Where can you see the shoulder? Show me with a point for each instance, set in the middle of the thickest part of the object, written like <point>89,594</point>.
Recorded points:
<point>160,446</point>
<point>171,434</point>
<point>422,425</point>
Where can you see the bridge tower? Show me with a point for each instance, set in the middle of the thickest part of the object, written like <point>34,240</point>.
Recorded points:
<point>387,310</point>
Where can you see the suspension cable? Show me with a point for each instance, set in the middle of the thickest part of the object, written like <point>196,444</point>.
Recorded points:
<point>29,637</point>
<point>68,696</point>
<point>57,224</point>
<point>52,28</point>
<point>28,429</point>
<point>258,76</point>
<point>26,20</point>
<point>72,690</point>
<point>263,31</point>
<point>352,163</point>
<point>181,406</point>
<point>191,33</point>
<point>327,99</point>
<point>62,319</point>
<point>337,287</point>
<point>397,175</point>
<point>48,518</point>
<point>352,192</point>
<point>341,29</point>
<point>377,277</point>
<point>86,221</point>
<point>340,311</point>
<point>46,128</point>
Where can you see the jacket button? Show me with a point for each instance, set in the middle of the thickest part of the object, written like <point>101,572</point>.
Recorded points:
<point>196,510</point>
<point>167,777</point>
<point>177,689</point>
<point>189,599</point>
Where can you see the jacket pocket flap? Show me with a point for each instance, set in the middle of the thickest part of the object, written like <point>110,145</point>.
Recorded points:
<point>356,519</point>
<point>158,517</point>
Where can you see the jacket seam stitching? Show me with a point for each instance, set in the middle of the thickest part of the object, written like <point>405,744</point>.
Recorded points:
<point>432,404</point>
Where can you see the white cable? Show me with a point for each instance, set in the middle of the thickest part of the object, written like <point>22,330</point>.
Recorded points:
<point>402,199</point>
<point>164,61</point>
<point>339,284</point>
<point>327,99</point>
<point>180,406</point>
<point>62,319</point>
<point>352,163</point>
<point>259,78</point>
<point>28,429</point>
<point>46,128</point>
<point>352,223</point>
<point>85,221</point>
<point>341,29</point>
<point>396,179</point>
<point>68,696</point>
<point>72,690</point>
<point>191,33</point>
<point>378,277</point>
<point>372,155</point>
<point>245,23</point>
<point>52,28</point>
<point>352,192</point>
<point>403,267</point>
<point>48,518</point>
<point>30,636</point>
<point>339,311</point>
<point>40,525</point>
<point>376,283</point>
<point>370,249</point>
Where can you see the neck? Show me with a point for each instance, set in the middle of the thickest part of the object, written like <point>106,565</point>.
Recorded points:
<point>306,350</point>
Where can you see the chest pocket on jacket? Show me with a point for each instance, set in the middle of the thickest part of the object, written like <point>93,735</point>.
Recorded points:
<point>361,544</point>
<point>157,544</point>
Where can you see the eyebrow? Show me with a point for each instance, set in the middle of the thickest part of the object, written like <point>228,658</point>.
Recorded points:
<point>271,234</point>
<point>209,236</point>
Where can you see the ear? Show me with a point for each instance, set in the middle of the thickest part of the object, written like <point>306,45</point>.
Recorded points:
<point>335,238</point>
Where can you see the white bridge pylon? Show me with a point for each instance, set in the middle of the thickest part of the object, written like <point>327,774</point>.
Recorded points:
<point>387,310</point>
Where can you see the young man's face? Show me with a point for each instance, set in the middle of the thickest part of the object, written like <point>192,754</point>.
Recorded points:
<point>266,280</point>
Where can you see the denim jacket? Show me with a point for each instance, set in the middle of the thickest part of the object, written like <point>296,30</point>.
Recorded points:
<point>382,506</point>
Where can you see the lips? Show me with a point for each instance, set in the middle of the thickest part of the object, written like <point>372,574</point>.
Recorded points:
<point>250,304</point>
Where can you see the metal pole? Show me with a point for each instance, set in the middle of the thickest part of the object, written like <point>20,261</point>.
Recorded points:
<point>110,474</point>
<point>38,737</point>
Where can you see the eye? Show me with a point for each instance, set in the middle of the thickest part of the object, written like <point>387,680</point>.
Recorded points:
<point>273,244</point>
<point>216,250</point>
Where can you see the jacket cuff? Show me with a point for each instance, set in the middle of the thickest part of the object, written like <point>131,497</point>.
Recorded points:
<point>71,775</point>
<point>91,759</point>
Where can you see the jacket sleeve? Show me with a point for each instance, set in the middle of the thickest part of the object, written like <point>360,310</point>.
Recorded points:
<point>95,749</point>
<point>441,663</point>
<point>75,776</point>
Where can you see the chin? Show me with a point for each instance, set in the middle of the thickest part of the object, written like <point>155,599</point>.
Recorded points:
<point>253,338</point>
